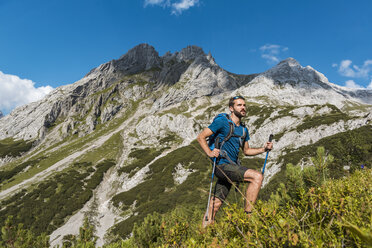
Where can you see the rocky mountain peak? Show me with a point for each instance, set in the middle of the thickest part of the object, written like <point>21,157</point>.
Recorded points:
<point>291,62</point>
<point>290,71</point>
<point>190,53</point>
<point>140,52</point>
<point>140,57</point>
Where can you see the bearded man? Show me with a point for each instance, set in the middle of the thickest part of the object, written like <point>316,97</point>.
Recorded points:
<point>234,135</point>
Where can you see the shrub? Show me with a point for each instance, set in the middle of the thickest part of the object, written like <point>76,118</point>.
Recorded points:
<point>14,148</point>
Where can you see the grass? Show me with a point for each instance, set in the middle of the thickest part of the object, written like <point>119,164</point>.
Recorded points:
<point>109,150</point>
<point>141,158</point>
<point>327,119</point>
<point>181,109</point>
<point>171,138</point>
<point>14,148</point>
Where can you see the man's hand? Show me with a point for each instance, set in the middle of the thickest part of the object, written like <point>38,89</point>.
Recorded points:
<point>268,146</point>
<point>215,153</point>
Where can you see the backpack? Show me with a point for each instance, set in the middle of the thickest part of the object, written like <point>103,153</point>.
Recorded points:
<point>214,139</point>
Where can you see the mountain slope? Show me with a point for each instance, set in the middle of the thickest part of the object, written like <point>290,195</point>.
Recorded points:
<point>119,143</point>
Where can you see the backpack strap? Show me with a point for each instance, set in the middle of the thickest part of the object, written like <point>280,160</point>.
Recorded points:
<point>242,138</point>
<point>231,130</point>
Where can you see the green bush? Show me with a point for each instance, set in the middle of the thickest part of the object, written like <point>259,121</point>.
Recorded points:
<point>44,208</point>
<point>334,116</point>
<point>335,214</point>
<point>142,158</point>
<point>15,236</point>
<point>352,148</point>
<point>14,148</point>
<point>7,174</point>
<point>159,193</point>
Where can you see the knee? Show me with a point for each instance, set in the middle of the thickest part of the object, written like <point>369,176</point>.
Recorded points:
<point>258,178</point>
<point>253,176</point>
<point>216,203</point>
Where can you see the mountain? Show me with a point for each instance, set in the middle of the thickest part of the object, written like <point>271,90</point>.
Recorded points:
<point>290,83</point>
<point>120,143</point>
<point>1,114</point>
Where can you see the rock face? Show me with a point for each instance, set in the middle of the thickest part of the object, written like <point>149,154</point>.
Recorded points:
<point>178,76</point>
<point>1,114</point>
<point>107,89</point>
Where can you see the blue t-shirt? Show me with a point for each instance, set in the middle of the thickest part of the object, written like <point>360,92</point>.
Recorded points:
<point>221,127</point>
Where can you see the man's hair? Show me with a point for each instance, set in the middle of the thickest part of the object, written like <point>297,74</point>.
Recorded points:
<point>232,99</point>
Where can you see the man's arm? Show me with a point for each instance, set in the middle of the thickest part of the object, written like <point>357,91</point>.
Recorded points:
<point>254,151</point>
<point>203,143</point>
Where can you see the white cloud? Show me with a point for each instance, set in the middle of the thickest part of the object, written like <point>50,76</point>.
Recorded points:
<point>270,58</point>
<point>348,70</point>
<point>157,2</point>
<point>271,52</point>
<point>183,5</point>
<point>370,85</point>
<point>177,7</point>
<point>15,92</point>
<point>353,85</point>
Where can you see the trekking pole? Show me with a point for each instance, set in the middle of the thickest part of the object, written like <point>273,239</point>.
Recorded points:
<point>210,189</point>
<point>216,145</point>
<point>267,154</point>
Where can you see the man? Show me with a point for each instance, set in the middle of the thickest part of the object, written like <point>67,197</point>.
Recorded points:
<point>227,167</point>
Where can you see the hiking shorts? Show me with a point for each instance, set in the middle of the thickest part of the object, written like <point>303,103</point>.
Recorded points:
<point>224,172</point>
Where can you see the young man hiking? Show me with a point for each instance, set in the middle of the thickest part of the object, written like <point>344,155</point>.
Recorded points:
<point>228,168</point>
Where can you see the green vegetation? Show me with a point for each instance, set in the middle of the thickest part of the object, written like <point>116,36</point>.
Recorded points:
<point>253,163</point>
<point>308,210</point>
<point>13,236</point>
<point>352,106</point>
<point>305,213</point>
<point>8,174</point>
<point>159,192</point>
<point>14,148</point>
<point>334,116</point>
<point>109,150</point>
<point>352,148</point>
<point>181,109</point>
<point>171,138</point>
<point>45,208</point>
<point>262,111</point>
<point>142,158</point>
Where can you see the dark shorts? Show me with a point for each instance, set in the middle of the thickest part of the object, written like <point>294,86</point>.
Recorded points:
<point>226,173</point>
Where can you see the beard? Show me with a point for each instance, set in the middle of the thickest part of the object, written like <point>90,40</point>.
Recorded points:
<point>240,114</point>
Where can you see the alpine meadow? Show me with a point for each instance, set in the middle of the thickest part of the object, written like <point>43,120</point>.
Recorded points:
<point>112,159</point>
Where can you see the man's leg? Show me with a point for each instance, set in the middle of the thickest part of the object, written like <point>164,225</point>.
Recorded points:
<point>221,190</point>
<point>214,205</point>
<point>255,178</point>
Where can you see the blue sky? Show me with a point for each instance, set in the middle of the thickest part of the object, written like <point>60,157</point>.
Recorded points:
<point>48,43</point>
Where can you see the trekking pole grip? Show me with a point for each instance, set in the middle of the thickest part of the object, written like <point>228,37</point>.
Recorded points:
<point>267,154</point>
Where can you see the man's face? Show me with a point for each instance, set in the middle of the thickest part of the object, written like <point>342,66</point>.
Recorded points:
<point>239,108</point>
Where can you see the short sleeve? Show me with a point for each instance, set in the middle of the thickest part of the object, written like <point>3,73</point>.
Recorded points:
<point>216,125</point>
<point>247,136</point>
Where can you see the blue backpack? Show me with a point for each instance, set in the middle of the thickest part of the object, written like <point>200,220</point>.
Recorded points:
<point>214,139</point>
